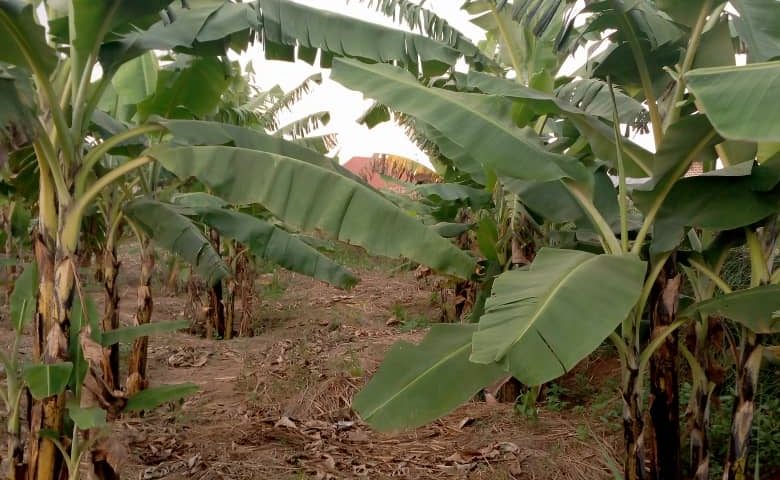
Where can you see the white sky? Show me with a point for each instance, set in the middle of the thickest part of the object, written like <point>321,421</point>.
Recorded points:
<point>345,105</point>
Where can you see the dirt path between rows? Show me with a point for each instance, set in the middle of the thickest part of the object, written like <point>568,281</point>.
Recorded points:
<point>277,405</point>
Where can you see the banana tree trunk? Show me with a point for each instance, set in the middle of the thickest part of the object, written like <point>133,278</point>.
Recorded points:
<point>172,279</point>
<point>136,375</point>
<point>230,307</point>
<point>664,401</point>
<point>111,309</point>
<point>15,451</point>
<point>51,331</point>
<point>700,424</point>
<point>633,425</point>
<point>246,294</point>
<point>701,399</point>
<point>9,248</point>
<point>236,259</point>
<point>195,308</point>
<point>216,300</point>
<point>101,467</point>
<point>748,367</point>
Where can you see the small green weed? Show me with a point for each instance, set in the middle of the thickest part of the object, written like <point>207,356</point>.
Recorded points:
<point>525,405</point>
<point>554,401</point>
<point>582,433</point>
<point>275,288</point>
<point>353,365</point>
<point>415,322</point>
<point>409,322</point>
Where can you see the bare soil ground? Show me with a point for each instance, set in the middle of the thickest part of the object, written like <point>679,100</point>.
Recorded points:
<point>277,405</point>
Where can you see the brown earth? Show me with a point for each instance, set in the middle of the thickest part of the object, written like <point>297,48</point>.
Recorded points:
<point>277,405</point>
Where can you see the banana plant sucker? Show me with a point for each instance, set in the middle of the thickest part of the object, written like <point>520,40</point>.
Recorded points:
<point>761,245</point>
<point>113,218</point>
<point>704,280</point>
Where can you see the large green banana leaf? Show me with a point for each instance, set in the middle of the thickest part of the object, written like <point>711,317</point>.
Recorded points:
<point>541,321</point>
<point>132,83</point>
<point>287,23</point>
<point>92,19</point>
<point>199,26</point>
<point>634,25</point>
<point>417,384</point>
<point>756,308</point>
<point>308,197</point>
<point>716,48</point>
<point>194,201</point>
<point>758,24</point>
<point>177,234</point>
<point>272,243</point>
<point>454,152</point>
<point>189,88</point>
<point>481,124</point>
<point>697,202</point>
<point>592,96</point>
<point>688,140</point>
<point>741,102</point>
<point>24,41</point>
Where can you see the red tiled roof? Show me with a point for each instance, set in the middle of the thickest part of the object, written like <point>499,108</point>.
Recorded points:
<point>695,169</point>
<point>361,166</point>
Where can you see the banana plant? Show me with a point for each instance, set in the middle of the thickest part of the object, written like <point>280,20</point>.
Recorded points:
<point>56,123</point>
<point>244,105</point>
<point>539,322</point>
<point>21,309</point>
<point>752,310</point>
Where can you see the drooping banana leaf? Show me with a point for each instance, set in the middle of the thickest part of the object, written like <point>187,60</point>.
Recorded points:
<point>756,308</point>
<point>24,41</point>
<point>308,198</point>
<point>196,132</point>
<point>454,192</point>
<point>427,22</point>
<point>176,233</point>
<point>741,102</point>
<point>696,202</point>
<point>287,24</point>
<point>272,243</point>
<point>283,25</point>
